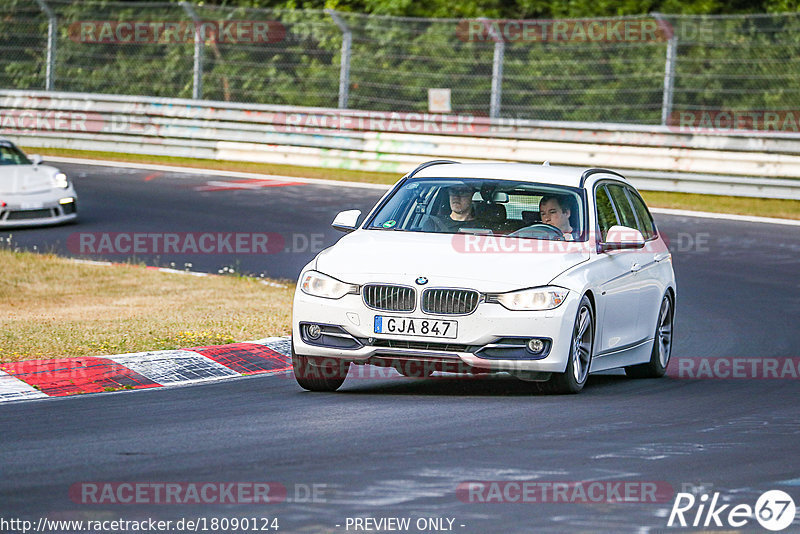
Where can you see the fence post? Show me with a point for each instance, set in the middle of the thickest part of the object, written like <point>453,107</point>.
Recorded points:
<point>197,69</point>
<point>669,67</point>
<point>52,24</point>
<point>344,71</point>
<point>497,69</point>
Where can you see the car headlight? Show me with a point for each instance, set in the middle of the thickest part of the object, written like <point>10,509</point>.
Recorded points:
<point>321,285</point>
<point>60,180</point>
<point>537,298</point>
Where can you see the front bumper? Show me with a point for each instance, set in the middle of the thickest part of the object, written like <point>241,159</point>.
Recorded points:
<point>489,325</point>
<point>39,211</point>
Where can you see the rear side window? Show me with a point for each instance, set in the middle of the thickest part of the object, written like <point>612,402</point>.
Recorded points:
<point>606,218</point>
<point>646,225</point>
<point>517,204</point>
<point>624,209</point>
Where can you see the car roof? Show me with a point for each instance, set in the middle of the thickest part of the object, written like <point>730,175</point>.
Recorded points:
<point>525,172</point>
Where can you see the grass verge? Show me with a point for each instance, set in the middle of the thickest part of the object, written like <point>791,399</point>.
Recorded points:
<point>53,307</point>
<point>764,207</point>
<point>238,166</point>
<point>761,207</point>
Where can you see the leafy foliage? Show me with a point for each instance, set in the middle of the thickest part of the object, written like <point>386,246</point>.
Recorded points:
<point>746,62</point>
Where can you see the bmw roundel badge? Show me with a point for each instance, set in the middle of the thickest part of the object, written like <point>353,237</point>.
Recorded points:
<point>422,281</point>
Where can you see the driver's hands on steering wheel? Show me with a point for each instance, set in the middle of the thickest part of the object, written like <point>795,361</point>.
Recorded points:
<point>539,230</point>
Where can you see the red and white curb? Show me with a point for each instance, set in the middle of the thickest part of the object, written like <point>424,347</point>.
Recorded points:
<point>33,379</point>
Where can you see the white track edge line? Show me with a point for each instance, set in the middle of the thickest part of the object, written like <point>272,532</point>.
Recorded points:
<point>217,172</point>
<point>726,216</point>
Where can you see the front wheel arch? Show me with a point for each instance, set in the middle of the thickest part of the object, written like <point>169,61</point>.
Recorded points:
<point>567,382</point>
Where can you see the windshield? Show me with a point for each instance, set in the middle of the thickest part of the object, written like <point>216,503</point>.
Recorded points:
<point>11,155</point>
<point>483,206</point>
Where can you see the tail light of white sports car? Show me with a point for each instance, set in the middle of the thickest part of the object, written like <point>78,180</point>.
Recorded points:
<point>318,284</point>
<point>534,299</point>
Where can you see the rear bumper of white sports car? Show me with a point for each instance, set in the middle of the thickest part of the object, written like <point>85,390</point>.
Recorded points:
<point>490,338</point>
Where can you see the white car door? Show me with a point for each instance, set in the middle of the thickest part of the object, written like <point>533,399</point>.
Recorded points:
<point>618,280</point>
<point>655,271</point>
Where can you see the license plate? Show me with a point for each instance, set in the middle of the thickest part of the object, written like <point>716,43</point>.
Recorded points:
<point>412,326</point>
<point>31,206</point>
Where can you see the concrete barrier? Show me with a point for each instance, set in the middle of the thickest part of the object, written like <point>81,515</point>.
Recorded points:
<point>761,164</point>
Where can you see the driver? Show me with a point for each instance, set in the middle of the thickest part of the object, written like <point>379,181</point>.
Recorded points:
<point>555,212</point>
<point>462,214</point>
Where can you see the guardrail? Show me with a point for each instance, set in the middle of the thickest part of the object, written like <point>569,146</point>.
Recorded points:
<point>759,164</point>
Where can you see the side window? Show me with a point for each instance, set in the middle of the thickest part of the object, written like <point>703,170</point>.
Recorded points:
<point>606,218</point>
<point>646,225</point>
<point>624,209</point>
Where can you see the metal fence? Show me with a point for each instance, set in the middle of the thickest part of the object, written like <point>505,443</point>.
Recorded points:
<point>644,70</point>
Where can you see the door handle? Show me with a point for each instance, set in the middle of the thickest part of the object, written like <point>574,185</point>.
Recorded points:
<point>661,257</point>
<point>635,267</point>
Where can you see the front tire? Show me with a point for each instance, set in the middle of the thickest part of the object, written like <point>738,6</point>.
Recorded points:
<point>581,350</point>
<point>319,374</point>
<point>662,345</point>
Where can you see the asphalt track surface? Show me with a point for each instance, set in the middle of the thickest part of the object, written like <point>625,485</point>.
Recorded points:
<point>133,201</point>
<point>397,447</point>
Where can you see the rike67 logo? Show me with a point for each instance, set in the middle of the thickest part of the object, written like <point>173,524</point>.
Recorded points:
<point>774,510</point>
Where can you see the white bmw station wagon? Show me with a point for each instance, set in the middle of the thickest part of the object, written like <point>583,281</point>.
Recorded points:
<point>547,273</point>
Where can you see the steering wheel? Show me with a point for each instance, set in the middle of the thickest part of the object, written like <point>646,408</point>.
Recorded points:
<point>539,231</point>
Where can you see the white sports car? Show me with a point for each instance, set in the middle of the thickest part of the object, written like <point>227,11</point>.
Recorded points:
<point>32,194</point>
<point>547,273</point>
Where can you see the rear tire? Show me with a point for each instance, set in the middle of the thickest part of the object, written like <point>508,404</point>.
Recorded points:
<point>662,345</point>
<point>581,350</point>
<point>319,374</point>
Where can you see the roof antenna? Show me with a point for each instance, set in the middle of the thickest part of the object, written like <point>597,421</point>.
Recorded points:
<point>546,164</point>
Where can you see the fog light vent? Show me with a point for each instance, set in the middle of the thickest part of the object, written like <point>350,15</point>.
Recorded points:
<point>313,331</point>
<point>536,346</point>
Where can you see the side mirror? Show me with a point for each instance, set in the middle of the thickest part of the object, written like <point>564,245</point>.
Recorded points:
<point>622,237</point>
<point>36,159</point>
<point>346,221</point>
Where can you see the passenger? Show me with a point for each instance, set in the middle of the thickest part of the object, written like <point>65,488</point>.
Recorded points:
<point>555,211</point>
